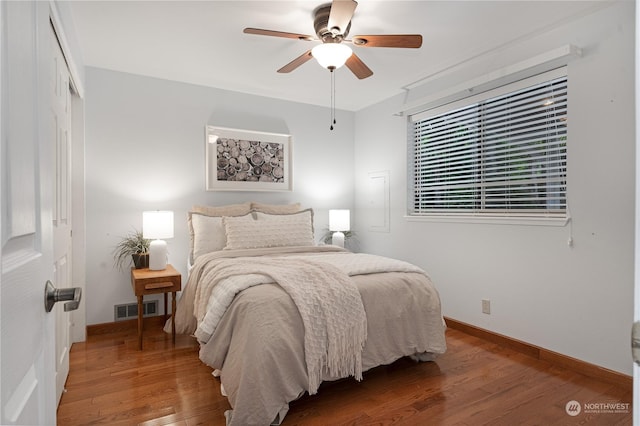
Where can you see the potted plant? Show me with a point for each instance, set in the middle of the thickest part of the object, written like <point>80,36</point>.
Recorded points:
<point>132,246</point>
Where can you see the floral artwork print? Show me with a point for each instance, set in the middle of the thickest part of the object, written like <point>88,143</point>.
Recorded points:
<point>249,161</point>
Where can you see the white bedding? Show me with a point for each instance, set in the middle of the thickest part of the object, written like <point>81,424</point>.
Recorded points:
<point>216,294</point>
<point>257,340</point>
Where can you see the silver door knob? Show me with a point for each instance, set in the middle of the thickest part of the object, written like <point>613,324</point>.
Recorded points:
<point>53,295</point>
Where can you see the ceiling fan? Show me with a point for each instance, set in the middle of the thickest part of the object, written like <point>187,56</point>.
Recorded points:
<point>332,22</point>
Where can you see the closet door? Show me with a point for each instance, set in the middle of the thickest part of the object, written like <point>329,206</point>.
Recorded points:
<point>60,138</point>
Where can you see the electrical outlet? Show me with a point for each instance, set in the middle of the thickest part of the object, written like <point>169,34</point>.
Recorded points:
<point>486,306</point>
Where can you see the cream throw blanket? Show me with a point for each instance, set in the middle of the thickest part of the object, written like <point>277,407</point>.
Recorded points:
<point>328,301</point>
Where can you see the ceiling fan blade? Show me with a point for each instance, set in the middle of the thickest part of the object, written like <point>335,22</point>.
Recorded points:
<point>272,33</point>
<point>355,64</point>
<point>296,62</point>
<point>340,15</point>
<point>398,40</point>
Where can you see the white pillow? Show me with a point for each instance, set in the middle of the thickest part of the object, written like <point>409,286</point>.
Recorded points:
<point>206,229</point>
<point>274,208</point>
<point>228,210</point>
<point>208,234</point>
<point>269,230</point>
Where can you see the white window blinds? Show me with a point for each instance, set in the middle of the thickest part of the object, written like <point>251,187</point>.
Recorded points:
<point>500,152</point>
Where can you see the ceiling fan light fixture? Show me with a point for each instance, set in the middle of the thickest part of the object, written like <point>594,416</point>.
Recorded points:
<point>331,55</point>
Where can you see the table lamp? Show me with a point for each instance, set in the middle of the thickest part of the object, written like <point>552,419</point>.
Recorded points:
<point>338,222</point>
<point>157,225</point>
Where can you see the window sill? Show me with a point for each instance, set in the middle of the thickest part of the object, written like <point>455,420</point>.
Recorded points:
<point>527,220</point>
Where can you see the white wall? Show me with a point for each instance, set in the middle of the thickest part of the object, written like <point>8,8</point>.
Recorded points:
<point>576,301</point>
<point>145,144</point>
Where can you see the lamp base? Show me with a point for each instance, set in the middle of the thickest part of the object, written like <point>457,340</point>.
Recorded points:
<point>337,239</point>
<point>157,255</point>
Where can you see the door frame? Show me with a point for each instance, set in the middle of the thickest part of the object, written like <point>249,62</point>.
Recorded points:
<point>78,273</point>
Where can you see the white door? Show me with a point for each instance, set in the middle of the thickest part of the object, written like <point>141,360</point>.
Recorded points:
<point>61,187</point>
<point>27,333</point>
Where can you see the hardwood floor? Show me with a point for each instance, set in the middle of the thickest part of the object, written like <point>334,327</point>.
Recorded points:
<point>475,383</point>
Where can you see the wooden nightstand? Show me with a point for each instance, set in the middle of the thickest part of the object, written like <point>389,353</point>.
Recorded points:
<point>145,281</point>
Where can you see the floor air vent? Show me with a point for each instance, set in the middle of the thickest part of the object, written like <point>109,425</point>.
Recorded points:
<point>125,312</point>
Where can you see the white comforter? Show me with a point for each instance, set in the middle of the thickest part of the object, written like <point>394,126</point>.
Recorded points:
<point>257,342</point>
<point>220,284</point>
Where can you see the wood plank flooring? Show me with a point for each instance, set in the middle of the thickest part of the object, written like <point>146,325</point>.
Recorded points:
<point>475,383</point>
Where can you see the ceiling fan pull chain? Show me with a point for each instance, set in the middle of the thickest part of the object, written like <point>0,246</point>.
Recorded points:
<point>333,88</point>
<point>333,97</point>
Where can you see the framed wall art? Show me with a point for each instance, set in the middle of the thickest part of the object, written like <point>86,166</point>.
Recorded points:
<point>245,160</point>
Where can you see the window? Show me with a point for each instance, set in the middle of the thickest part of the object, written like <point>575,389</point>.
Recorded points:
<point>502,152</point>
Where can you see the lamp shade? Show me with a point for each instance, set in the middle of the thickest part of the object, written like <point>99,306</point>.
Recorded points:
<point>339,220</point>
<point>331,55</point>
<point>157,225</point>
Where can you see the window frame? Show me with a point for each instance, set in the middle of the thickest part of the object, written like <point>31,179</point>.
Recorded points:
<point>509,216</point>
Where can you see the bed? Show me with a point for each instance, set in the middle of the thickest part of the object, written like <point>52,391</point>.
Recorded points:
<point>275,314</point>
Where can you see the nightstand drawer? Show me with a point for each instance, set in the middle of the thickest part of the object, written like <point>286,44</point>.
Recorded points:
<point>161,285</point>
<point>146,281</point>
<point>164,285</point>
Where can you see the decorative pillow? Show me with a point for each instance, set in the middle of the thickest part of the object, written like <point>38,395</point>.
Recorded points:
<point>210,233</point>
<point>228,210</point>
<point>275,208</point>
<point>277,230</point>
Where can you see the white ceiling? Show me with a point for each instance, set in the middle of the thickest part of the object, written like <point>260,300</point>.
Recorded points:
<point>201,42</point>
